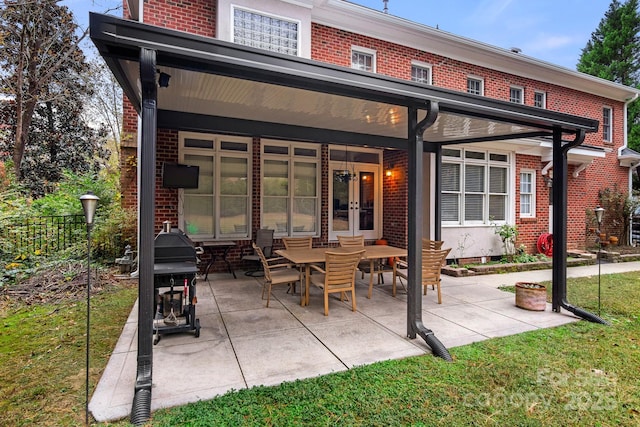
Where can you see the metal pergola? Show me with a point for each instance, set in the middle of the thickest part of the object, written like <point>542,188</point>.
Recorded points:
<point>223,87</point>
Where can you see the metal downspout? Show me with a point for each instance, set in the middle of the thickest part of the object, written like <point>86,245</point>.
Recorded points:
<point>415,222</point>
<point>560,182</point>
<point>141,407</point>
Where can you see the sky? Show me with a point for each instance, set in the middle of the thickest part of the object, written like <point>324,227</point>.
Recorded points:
<point>555,31</point>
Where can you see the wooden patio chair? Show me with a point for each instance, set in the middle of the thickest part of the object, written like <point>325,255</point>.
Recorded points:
<point>275,274</point>
<point>431,244</point>
<point>431,267</point>
<point>364,266</point>
<point>293,243</point>
<point>339,275</point>
<point>264,240</point>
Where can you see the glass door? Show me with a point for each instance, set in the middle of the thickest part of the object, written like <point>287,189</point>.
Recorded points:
<point>355,201</point>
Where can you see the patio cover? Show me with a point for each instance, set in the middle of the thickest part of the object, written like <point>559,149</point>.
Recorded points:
<point>224,87</point>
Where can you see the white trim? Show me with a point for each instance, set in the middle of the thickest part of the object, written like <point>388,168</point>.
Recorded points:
<point>610,125</point>
<point>532,213</point>
<point>476,78</point>
<point>426,66</point>
<point>364,51</point>
<point>518,88</point>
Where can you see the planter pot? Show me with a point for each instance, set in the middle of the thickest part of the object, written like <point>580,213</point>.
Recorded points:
<point>613,240</point>
<point>531,296</point>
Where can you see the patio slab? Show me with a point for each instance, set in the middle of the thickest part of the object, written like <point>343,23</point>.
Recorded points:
<point>244,344</point>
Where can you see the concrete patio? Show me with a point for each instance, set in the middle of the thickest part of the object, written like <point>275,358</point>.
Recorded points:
<point>244,344</point>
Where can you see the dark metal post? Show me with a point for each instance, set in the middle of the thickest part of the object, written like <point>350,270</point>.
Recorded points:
<point>89,204</point>
<point>146,197</point>
<point>559,189</point>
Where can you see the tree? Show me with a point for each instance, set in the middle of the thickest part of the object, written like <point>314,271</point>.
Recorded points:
<point>40,61</point>
<point>613,53</point>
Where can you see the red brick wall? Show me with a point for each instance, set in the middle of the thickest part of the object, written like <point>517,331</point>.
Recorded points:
<point>334,46</point>
<point>192,16</point>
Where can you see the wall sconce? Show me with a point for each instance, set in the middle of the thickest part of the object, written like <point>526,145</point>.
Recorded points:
<point>548,180</point>
<point>389,171</point>
<point>163,79</point>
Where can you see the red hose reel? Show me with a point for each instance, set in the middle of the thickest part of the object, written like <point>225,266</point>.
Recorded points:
<point>545,244</point>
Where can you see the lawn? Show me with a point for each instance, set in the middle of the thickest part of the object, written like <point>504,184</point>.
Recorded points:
<point>581,373</point>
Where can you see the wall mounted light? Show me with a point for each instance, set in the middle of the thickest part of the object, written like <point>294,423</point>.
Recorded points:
<point>389,171</point>
<point>163,79</point>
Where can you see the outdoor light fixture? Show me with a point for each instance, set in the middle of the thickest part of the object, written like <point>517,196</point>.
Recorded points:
<point>389,171</point>
<point>89,204</point>
<point>163,79</point>
<point>599,211</point>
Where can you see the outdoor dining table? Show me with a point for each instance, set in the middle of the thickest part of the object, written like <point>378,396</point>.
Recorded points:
<point>307,257</point>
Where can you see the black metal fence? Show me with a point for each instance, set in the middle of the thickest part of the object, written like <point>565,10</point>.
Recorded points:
<point>48,235</point>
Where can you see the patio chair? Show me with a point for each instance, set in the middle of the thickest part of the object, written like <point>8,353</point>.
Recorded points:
<point>364,266</point>
<point>431,266</point>
<point>275,274</point>
<point>264,240</point>
<point>431,244</point>
<point>338,275</point>
<point>293,243</point>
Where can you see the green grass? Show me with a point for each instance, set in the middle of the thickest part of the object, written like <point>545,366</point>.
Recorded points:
<point>43,356</point>
<point>577,374</point>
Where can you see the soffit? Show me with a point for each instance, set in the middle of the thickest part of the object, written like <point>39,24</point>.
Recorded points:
<point>212,77</point>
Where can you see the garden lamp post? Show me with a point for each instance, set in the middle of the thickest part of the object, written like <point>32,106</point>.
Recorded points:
<point>599,211</point>
<point>89,204</point>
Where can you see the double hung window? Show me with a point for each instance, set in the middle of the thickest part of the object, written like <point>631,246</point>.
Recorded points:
<point>290,188</point>
<point>540,99</point>
<point>606,124</point>
<point>516,95</point>
<point>219,207</point>
<point>527,194</point>
<point>421,73</point>
<point>475,86</point>
<point>474,187</point>
<point>363,59</point>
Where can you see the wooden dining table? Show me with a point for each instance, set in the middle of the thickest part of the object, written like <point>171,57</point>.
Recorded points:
<point>307,257</point>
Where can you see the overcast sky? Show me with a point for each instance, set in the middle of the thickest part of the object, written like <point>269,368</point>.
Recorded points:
<point>551,30</point>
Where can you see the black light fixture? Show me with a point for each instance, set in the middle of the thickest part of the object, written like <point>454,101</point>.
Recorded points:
<point>163,79</point>
<point>599,211</point>
<point>89,204</point>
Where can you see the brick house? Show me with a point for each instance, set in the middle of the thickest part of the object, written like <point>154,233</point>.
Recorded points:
<point>489,183</point>
<point>321,118</point>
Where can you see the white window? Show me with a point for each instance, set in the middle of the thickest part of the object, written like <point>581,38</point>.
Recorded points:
<point>540,99</point>
<point>421,73</point>
<point>474,186</point>
<point>363,59</point>
<point>527,194</point>
<point>516,94</point>
<point>219,208</point>
<point>266,32</point>
<point>290,188</point>
<point>475,85</point>
<point>606,124</point>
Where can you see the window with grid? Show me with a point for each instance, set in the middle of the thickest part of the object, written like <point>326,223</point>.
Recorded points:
<point>606,124</point>
<point>474,187</point>
<point>421,74</point>
<point>362,60</point>
<point>515,95</point>
<point>265,32</point>
<point>290,193</point>
<point>540,99</point>
<point>474,86</point>
<point>219,207</point>
<point>527,194</point>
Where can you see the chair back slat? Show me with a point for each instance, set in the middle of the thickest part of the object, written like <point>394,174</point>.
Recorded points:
<point>351,241</point>
<point>431,244</point>
<point>297,242</point>
<point>432,260</point>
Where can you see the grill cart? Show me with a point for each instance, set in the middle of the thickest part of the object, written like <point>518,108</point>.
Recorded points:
<point>175,269</point>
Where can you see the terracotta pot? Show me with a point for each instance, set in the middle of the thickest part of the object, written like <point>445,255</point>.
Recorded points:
<point>531,296</point>
<point>613,240</point>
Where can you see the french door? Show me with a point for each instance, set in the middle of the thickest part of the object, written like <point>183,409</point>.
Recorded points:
<point>355,200</point>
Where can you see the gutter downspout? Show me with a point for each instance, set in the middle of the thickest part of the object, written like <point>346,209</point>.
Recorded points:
<point>141,406</point>
<point>415,223</point>
<point>634,167</point>
<point>559,273</point>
